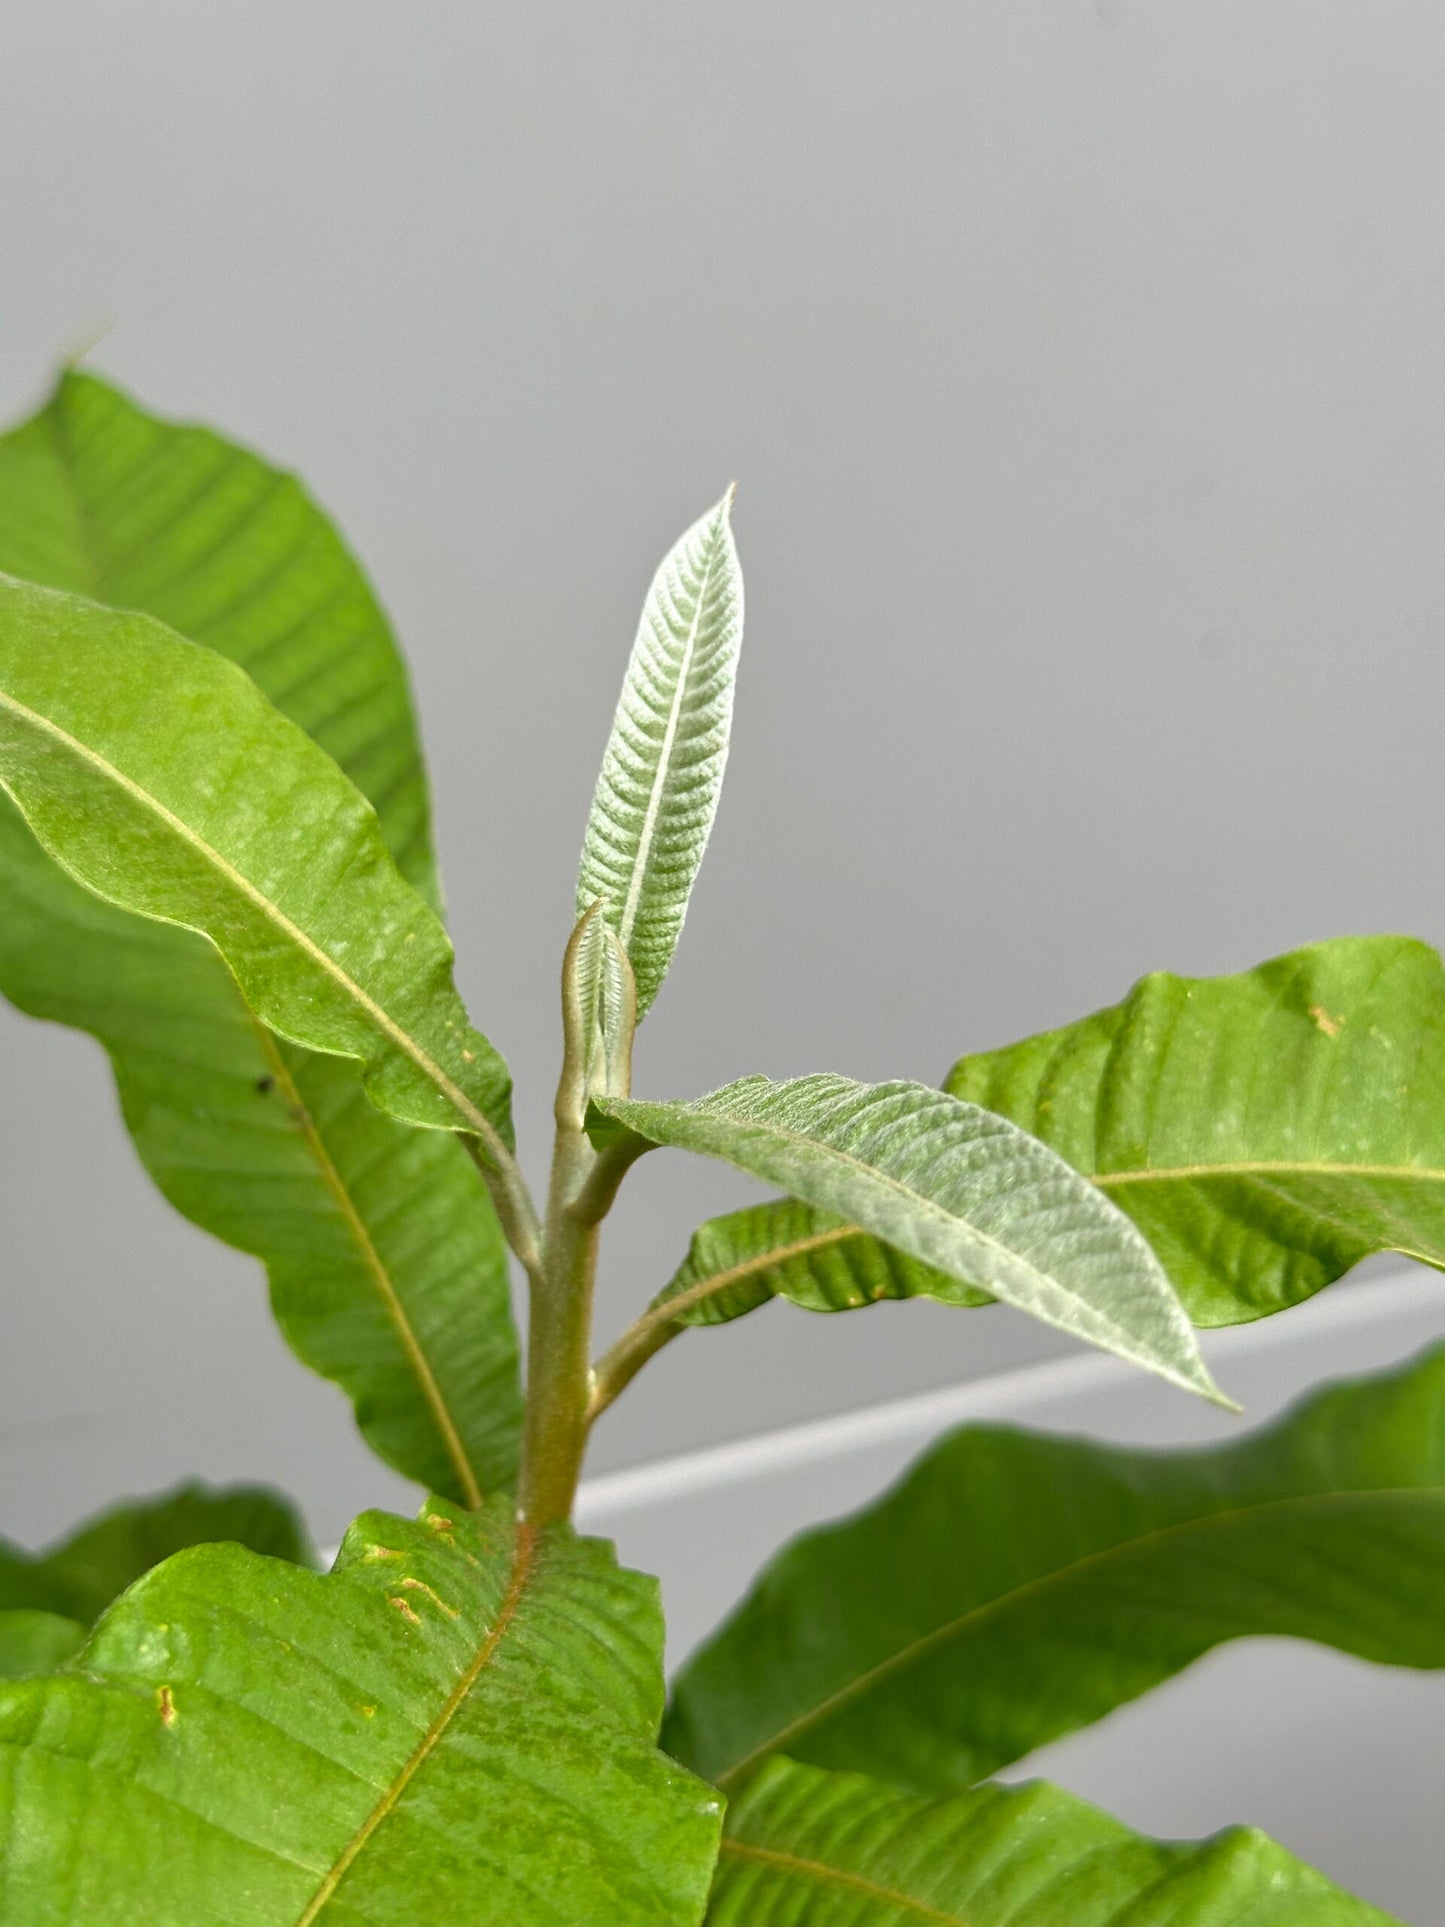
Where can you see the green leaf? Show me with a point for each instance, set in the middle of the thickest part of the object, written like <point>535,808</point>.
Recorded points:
<point>782,1249</point>
<point>162,779</point>
<point>83,1574</point>
<point>101,498</point>
<point>838,1850</point>
<point>951,1186</point>
<point>1014,1588</point>
<point>662,772</point>
<point>388,1269</point>
<point>36,1642</point>
<point>457,1724</point>
<point>1265,1131</point>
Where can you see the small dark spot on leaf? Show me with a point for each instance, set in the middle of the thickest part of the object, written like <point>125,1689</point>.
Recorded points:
<point>265,1084</point>
<point>167,1706</point>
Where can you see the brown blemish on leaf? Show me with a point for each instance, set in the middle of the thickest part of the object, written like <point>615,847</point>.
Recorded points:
<point>436,1523</point>
<point>382,1552</point>
<point>420,1585</point>
<point>404,1609</point>
<point>1323,1020</point>
<point>368,1712</point>
<point>167,1706</point>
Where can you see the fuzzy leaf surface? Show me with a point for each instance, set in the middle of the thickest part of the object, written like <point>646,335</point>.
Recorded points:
<point>388,1269</point>
<point>838,1850</point>
<point>662,770</point>
<point>951,1186</point>
<point>1265,1131</point>
<point>161,778</point>
<point>457,1723</point>
<point>1033,1584</point>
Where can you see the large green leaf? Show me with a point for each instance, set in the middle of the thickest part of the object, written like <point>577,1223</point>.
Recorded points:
<point>163,780</point>
<point>83,1574</point>
<point>662,772</point>
<point>951,1186</point>
<point>1014,1588</point>
<point>838,1850</point>
<point>1265,1131</point>
<point>388,1269</point>
<point>457,1724</point>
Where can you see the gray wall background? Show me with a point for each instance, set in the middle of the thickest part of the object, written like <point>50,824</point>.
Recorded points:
<point>1081,367</point>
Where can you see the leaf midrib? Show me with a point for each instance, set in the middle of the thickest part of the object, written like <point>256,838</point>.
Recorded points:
<point>381,1275</point>
<point>717,1282</point>
<point>906,1655</point>
<point>506,1612</point>
<point>821,1871</point>
<point>476,1122</point>
<point>664,757</point>
<point>951,1220</point>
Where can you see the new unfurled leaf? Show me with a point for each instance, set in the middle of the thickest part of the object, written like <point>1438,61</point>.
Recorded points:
<point>1265,1131</point>
<point>662,772</point>
<point>839,1850</point>
<point>162,779</point>
<point>388,1268</point>
<point>1014,1587</point>
<point>951,1186</point>
<point>456,1724</point>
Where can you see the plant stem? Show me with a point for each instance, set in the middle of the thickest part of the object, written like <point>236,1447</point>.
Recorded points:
<point>559,1340</point>
<point>598,1017</point>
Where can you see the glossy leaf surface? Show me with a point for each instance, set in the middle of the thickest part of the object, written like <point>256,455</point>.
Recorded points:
<point>1265,1131</point>
<point>36,1642</point>
<point>951,1186</point>
<point>811,1849</point>
<point>93,1566</point>
<point>270,1147</point>
<point>662,771</point>
<point>163,780</point>
<point>456,1724</point>
<point>1016,1587</point>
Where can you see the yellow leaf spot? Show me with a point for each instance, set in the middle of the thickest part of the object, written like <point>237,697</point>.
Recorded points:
<point>420,1585</point>
<point>404,1609</point>
<point>1329,1025</point>
<point>167,1706</point>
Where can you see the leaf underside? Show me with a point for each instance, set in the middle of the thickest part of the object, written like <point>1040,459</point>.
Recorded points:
<point>951,1186</point>
<point>662,772</point>
<point>1014,1588</point>
<point>839,1850</point>
<point>1265,1131</point>
<point>388,1269</point>
<point>456,1724</point>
